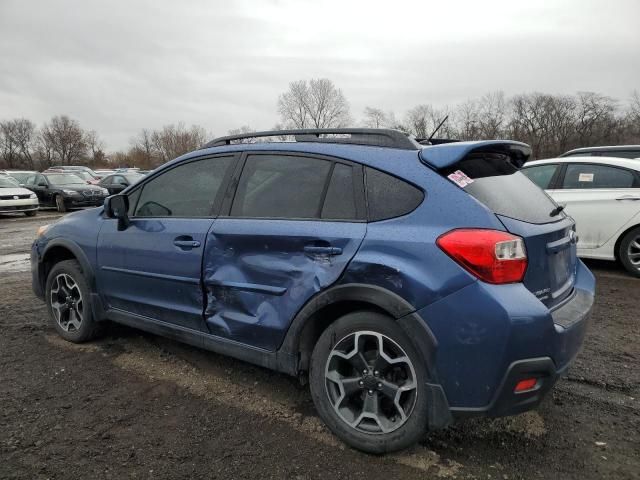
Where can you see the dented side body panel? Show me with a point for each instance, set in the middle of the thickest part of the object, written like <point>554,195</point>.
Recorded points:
<point>258,273</point>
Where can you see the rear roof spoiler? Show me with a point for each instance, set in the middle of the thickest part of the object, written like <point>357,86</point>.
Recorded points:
<point>448,154</point>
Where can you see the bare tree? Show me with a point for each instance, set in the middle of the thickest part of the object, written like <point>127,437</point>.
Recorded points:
<point>95,147</point>
<point>375,118</point>
<point>9,148</point>
<point>175,140</point>
<point>422,121</point>
<point>492,115</point>
<point>65,141</point>
<point>241,131</point>
<point>316,103</point>
<point>595,118</point>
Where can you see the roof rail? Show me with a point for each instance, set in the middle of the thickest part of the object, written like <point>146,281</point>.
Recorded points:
<point>379,137</point>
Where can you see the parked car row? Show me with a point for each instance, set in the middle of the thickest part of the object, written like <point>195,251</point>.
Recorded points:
<point>602,194</point>
<point>62,187</point>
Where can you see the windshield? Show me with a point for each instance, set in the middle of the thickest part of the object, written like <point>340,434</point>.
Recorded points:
<point>133,177</point>
<point>21,177</point>
<point>65,179</point>
<point>83,175</point>
<point>7,182</point>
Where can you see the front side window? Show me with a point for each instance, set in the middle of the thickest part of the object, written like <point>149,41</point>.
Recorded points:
<point>188,190</point>
<point>281,186</point>
<point>541,175</point>
<point>585,176</point>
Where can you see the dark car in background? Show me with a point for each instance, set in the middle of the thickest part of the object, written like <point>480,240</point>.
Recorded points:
<point>117,182</point>
<point>65,191</point>
<point>620,151</point>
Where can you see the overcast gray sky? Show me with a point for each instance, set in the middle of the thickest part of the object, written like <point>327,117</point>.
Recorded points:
<point>120,65</point>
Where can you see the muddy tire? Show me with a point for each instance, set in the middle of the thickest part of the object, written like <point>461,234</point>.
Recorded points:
<point>69,303</point>
<point>369,383</point>
<point>629,251</point>
<point>60,206</point>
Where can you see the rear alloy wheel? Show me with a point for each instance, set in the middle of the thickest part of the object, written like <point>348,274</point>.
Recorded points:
<point>60,204</point>
<point>629,252</point>
<point>368,383</point>
<point>68,302</point>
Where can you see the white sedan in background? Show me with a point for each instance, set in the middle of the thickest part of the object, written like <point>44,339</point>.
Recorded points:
<point>602,194</point>
<point>15,199</point>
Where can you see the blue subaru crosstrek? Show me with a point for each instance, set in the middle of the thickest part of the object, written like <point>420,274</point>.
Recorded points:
<point>410,284</point>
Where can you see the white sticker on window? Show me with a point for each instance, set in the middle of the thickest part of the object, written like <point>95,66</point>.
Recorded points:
<point>585,177</point>
<point>460,178</point>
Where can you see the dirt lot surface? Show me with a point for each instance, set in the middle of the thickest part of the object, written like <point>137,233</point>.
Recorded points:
<point>133,405</point>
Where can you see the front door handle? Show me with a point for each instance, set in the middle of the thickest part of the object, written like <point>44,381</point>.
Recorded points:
<point>185,243</point>
<point>322,250</point>
<point>628,197</point>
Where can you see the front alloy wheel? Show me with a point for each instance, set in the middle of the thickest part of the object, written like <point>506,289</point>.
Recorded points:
<point>66,302</point>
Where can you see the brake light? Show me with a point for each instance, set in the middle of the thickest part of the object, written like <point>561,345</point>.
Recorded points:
<point>491,255</point>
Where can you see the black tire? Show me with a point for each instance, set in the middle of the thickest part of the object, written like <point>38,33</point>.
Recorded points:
<point>88,327</point>
<point>629,251</point>
<point>32,213</point>
<point>59,201</point>
<point>410,430</point>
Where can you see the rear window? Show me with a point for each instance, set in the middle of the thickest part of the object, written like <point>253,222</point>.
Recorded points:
<point>504,189</point>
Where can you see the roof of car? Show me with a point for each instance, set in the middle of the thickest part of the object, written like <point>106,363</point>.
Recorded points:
<point>614,161</point>
<point>603,148</point>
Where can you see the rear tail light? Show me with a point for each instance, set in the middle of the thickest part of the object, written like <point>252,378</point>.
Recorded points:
<point>491,255</point>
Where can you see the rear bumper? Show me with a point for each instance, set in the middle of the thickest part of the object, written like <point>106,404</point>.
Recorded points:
<point>489,337</point>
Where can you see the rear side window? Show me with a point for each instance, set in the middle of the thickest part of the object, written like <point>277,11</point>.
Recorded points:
<point>585,176</point>
<point>389,197</point>
<point>541,175</point>
<point>504,189</point>
<point>188,190</point>
<point>340,202</point>
<point>281,186</point>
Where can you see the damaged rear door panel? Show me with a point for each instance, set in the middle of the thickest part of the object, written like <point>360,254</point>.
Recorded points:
<point>260,269</point>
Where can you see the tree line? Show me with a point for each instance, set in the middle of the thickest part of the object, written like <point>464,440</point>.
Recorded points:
<point>550,123</point>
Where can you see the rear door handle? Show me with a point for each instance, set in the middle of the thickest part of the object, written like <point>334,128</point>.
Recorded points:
<point>186,243</point>
<point>628,197</point>
<point>322,250</point>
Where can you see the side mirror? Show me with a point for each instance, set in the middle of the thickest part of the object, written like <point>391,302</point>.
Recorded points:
<point>117,206</point>
<point>42,184</point>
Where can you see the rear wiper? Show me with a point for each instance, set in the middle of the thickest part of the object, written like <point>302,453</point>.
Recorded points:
<point>556,210</point>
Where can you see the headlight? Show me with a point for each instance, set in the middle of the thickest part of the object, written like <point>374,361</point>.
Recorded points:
<point>33,195</point>
<point>41,230</point>
<point>70,192</point>
<point>105,191</point>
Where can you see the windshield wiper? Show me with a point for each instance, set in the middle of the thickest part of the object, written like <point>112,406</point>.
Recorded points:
<point>556,210</point>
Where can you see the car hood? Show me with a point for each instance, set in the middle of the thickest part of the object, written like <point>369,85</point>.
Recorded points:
<point>14,191</point>
<point>78,188</point>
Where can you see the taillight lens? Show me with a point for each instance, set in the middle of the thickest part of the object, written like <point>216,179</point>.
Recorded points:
<point>491,255</point>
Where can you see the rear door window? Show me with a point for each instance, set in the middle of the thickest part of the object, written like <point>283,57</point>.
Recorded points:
<point>389,197</point>
<point>340,201</point>
<point>586,176</point>
<point>281,186</point>
<point>541,175</point>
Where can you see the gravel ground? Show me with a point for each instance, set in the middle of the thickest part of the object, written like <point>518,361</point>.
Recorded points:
<point>139,406</point>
